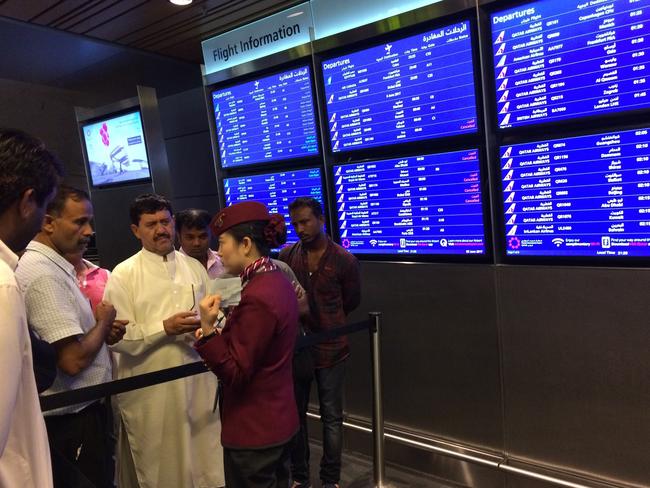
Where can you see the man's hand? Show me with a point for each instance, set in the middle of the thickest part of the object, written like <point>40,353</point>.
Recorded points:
<point>105,314</point>
<point>117,332</point>
<point>181,323</point>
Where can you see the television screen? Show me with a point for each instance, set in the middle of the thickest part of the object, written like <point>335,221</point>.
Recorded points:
<point>419,205</point>
<point>419,87</point>
<point>562,59</point>
<point>265,120</point>
<point>116,150</point>
<point>580,196</point>
<point>276,191</point>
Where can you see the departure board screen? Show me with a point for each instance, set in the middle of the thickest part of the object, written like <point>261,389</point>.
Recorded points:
<point>419,205</point>
<point>276,191</point>
<point>562,59</point>
<point>420,87</point>
<point>265,120</point>
<point>581,196</point>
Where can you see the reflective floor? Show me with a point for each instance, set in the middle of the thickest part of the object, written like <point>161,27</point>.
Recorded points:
<point>357,473</point>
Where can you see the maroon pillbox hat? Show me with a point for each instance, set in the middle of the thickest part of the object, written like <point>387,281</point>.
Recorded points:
<point>238,213</point>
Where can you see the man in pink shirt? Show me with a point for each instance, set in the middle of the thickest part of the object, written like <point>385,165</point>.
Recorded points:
<point>92,279</point>
<point>192,229</point>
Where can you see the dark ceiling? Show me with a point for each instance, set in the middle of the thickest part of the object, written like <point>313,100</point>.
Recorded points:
<point>152,25</point>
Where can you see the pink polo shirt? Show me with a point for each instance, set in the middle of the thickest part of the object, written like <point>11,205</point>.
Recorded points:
<point>215,268</point>
<point>93,282</point>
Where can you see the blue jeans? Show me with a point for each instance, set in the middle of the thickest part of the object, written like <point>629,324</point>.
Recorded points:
<point>329,382</point>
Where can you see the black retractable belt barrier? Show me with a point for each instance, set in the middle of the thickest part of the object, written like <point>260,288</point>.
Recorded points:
<point>95,392</point>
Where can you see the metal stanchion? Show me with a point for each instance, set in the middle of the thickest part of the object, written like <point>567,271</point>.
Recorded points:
<point>378,455</point>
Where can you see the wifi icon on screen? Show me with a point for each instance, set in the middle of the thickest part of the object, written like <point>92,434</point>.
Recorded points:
<point>373,242</point>
<point>558,241</point>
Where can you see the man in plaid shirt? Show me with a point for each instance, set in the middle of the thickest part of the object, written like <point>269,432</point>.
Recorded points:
<point>330,275</point>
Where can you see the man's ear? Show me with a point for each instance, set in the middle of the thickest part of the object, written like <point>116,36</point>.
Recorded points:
<point>136,231</point>
<point>27,204</point>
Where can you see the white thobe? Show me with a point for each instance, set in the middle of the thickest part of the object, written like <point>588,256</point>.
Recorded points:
<point>173,434</point>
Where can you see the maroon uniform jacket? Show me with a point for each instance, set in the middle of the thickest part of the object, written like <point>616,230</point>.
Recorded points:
<point>253,359</point>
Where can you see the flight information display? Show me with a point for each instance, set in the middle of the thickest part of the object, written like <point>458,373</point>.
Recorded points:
<point>581,196</point>
<point>419,205</point>
<point>562,59</point>
<point>419,87</point>
<point>265,120</point>
<point>276,191</point>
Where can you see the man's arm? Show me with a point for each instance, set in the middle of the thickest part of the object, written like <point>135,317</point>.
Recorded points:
<point>54,315</point>
<point>137,340</point>
<point>76,353</point>
<point>11,356</point>
<point>351,285</point>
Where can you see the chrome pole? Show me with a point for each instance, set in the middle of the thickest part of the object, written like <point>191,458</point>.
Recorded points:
<point>378,459</point>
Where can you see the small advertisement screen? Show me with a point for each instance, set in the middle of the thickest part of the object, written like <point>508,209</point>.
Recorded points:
<point>582,196</point>
<point>266,120</point>
<point>419,205</point>
<point>416,88</point>
<point>116,150</point>
<point>564,59</point>
<point>276,191</point>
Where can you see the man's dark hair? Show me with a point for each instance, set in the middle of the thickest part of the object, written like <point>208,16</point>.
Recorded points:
<point>192,218</point>
<point>148,203</point>
<point>55,207</point>
<point>310,202</point>
<point>25,163</point>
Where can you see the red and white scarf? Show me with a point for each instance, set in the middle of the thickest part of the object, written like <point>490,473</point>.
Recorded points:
<point>262,265</point>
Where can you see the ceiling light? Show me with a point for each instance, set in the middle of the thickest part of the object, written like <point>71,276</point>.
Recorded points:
<point>295,14</point>
<point>181,2</point>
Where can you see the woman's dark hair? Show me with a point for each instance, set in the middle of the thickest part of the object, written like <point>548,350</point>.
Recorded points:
<point>265,235</point>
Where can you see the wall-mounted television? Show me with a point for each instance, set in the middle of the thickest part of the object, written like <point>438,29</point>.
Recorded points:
<point>116,149</point>
<point>276,190</point>
<point>420,205</point>
<point>563,59</point>
<point>583,196</point>
<point>410,89</point>
<point>267,119</point>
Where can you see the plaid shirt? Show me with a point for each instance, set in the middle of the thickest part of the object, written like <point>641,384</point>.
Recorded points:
<point>334,291</point>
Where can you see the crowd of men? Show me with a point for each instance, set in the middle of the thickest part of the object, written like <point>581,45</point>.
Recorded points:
<point>69,324</point>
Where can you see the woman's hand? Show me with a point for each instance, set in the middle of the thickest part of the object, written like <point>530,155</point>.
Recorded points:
<point>209,310</point>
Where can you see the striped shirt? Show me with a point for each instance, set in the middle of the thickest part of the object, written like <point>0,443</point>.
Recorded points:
<point>56,309</point>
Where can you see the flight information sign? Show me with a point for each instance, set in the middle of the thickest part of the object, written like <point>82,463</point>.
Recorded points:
<point>419,87</point>
<point>266,120</point>
<point>580,196</point>
<point>418,205</point>
<point>562,59</point>
<point>276,191</point>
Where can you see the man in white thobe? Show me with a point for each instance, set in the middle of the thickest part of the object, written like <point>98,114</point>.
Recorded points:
<point>170,436</point>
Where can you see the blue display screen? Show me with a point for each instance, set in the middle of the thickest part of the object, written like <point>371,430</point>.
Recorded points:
<point>276,191</point>
<point>419,205</point>
<point>265,120</point>
<point>581,196</point>
<point>561,59</point>
<point>116,150</point>
<point>420,87</point>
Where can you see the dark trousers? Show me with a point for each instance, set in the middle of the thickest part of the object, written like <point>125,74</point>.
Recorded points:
<point>329,382</point>
<point>257,468</point>
<point>80,448</point>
